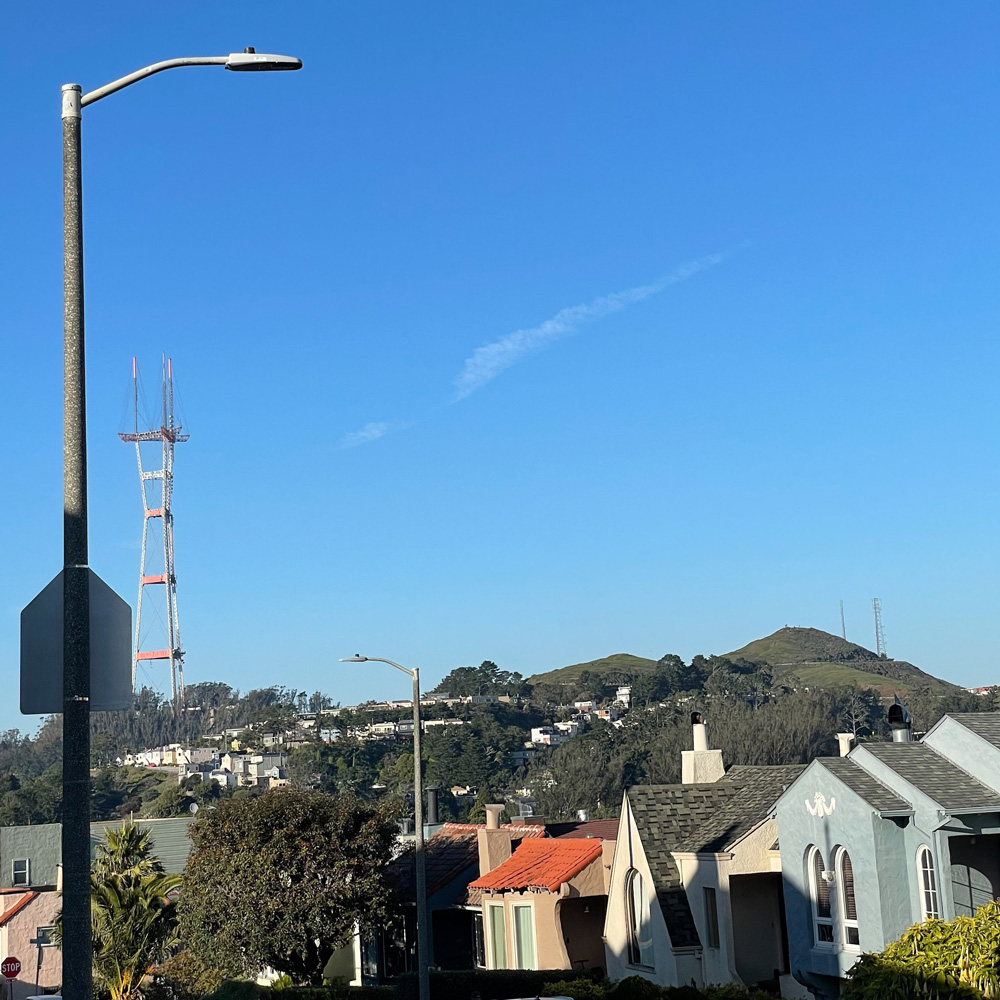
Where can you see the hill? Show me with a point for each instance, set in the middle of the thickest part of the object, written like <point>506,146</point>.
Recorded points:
<point>625,662</point>
<point>812,657</point>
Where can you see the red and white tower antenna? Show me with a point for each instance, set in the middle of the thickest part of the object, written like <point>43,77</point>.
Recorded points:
<point>167,434</point>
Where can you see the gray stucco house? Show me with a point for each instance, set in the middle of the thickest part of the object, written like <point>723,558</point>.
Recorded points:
<point>890,835</point>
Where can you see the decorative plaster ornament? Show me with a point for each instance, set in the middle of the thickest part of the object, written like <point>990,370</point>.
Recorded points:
<point>818,806</point>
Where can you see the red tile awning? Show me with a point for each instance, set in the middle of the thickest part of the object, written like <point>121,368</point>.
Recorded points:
<point>540,864</point>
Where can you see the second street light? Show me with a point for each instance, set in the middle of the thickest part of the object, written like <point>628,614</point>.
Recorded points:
<point>423,918</point>
<point>76,639</point>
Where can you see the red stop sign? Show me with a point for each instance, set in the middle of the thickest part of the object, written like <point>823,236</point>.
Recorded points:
<point>10,967</point>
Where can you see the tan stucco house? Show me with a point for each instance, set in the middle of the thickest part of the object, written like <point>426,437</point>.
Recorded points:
<point>543,903</point>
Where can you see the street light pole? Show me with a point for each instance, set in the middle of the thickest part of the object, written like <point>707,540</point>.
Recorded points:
<point>76,938</point>
<point>76,934</point>
<point>423,916</point>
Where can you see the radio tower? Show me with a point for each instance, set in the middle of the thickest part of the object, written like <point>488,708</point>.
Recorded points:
<point>168,434</point>
<point>879,631</point>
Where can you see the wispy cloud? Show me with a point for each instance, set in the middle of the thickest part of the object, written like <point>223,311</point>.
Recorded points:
<point>370,432</point>
<point>488,361</point>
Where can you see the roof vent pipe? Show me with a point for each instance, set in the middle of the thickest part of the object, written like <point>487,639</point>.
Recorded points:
<point>493,816</point>
<point>432,805</point>
<point>700,733</point>
<point>900,722</point>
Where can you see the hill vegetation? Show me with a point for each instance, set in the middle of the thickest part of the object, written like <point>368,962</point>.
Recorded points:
<point>811,657</point>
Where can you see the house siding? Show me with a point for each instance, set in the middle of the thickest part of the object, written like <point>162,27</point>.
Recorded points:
<point>630,854</point>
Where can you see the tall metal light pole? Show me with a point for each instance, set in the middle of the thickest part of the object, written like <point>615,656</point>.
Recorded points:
<point>423,918</point>
<point>76,940</point>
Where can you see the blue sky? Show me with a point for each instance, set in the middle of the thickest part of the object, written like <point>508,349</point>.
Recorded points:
<point>529,332</point>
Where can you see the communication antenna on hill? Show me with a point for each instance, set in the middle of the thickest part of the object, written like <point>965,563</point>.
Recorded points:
<point>879,631</point>
<point>164,608</point>
<point>843,624</point>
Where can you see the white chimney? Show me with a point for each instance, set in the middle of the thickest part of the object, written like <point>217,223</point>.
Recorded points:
<point>846,742</point>
<point>700,764</point>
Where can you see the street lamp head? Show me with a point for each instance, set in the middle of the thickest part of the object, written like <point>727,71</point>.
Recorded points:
<point>356,658</point>
<point>256,62</point>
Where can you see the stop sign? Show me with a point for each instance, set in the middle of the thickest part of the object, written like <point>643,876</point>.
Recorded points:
<point>10,967</point>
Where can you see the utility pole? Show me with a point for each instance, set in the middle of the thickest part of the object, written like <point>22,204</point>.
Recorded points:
<point>843,625</point>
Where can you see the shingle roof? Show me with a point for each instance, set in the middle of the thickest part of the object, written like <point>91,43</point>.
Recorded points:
<point>984,724</point>
<point>880,797</point>
<point>759,789</point>
<point>541,864</point>
<point>937,777</point>
<point>700,817</point>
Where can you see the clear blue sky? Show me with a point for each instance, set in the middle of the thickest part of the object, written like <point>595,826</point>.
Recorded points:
<point>394,452</point>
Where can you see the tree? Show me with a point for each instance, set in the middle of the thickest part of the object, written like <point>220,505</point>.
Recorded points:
<point>133,922</point>
<point>281,879</point>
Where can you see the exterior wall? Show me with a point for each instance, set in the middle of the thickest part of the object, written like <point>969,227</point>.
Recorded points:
<point>854,825</point>
<point>979,757</point>
<point>701,872</point>
<point>40,966</point>
<point>41,845</point>
<point>759,944</point>
<point>629,854</point>
<point>582,923</point>
<point>550,950</point>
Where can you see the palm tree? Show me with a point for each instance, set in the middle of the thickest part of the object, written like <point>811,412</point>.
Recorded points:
<point>133,922</point>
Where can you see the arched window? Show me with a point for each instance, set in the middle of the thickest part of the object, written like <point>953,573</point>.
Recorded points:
<point>848,910</point>
<point>928,884</point>
<point>637,922</point>
<point>819,892</point>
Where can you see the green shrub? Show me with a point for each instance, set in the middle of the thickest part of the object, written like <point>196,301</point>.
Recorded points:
<point>487,984</point>
<point>239,989</point>
<point>578,989</point>
<point>937,960</point>
<point>183,976</point>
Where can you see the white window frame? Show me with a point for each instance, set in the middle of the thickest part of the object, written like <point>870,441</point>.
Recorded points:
<point>812,852</point>
<point>490,953</point>
<point>27,871</point>
<point>925,867</point>
<point>515,937</point>
<point>847,924</point>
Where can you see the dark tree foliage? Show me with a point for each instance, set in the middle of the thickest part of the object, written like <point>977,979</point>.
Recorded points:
<point>487,678</point>
<point>280,880</point>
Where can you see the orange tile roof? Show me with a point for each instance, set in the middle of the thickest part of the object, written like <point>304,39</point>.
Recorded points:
<point>17,907</point>
<point>540,864</point>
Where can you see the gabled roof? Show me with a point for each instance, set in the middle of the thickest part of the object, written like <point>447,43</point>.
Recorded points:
<point>953,789</point>
<point>706,817</point>
<point>879,796</point>
<point>541,864</point>
<point>984,724</point>
<point>758,790</point>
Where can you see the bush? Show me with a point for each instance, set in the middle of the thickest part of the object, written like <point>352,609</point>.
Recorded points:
<point>183,976</point>
<point>487,984</point>
<point>938,960</point>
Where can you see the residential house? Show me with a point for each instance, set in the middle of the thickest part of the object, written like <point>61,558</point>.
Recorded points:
<point>695,892</point>
<point>31,888</point>
<point>547,736</point>
<point>543,902</point>
<point>919,819</point>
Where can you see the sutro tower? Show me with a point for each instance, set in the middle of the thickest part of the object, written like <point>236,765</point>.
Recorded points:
<point>164,582</point>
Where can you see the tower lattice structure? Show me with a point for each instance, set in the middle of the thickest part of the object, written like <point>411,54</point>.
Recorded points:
<point>879,630</point>
<point>157,577</point>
